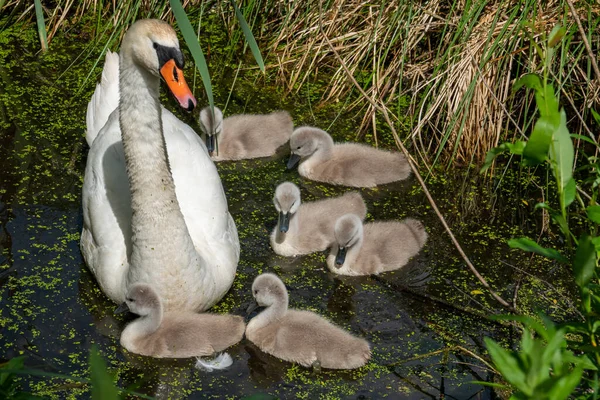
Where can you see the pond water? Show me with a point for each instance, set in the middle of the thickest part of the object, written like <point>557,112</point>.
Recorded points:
<point>427,339</point>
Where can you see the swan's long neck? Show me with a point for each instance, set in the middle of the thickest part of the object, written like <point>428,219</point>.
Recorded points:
<point>160,238</point>
<point>140,328</point>
<point>271,314</point>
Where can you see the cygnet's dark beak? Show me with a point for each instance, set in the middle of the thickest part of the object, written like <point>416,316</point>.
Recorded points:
<point>251,308</point>
<point>284,221</point>
<point>210,143</point>
<point>341,257</point>
<point>122,308</point>
<point>294,158</point>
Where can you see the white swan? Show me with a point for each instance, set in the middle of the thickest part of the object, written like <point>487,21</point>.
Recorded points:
<point>153,214</point>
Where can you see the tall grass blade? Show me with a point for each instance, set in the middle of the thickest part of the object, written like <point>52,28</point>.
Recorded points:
<point>189,36</point>
<point>249,37</point>
<point>103,386</point>
<point>41,25</point>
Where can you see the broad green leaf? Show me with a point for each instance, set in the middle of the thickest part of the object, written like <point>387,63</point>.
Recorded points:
<point>103,386</point>
<point>513,148</point>
<point>249,37</point>
<point>529,245</point>
<point>536,150</point>
<point>556,35</point>
<point>569,192</point>
<point>564,386</point>
<point>508,365</point>
<point>593,213</point>
<point>547,103</point>
<point>531,81</point>
<point>562,156</point>
<point>584,263</point>
<point>191,40</point>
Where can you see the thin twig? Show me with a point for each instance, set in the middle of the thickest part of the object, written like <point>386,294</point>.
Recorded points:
<point>584,38</point>
<point>413,166</point>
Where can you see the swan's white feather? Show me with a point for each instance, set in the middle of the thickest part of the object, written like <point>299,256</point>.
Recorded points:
<point>221,361</point>
<point>105,98</point>
<point>106,236</point>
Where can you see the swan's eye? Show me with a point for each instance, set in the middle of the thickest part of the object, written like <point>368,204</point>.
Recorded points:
<point>255,292</point>
<point>130,299</point>
<point>298,148</point>
<point>155,45</point>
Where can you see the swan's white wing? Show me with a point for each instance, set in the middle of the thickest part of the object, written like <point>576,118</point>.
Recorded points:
<point>105,98</point>
<point>202,200</point>
<point>107,211</point>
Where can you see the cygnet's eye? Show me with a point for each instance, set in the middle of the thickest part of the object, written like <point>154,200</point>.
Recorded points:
<point>255,292</point>
<point>131,300</point>
<point>155,45</point>
<point>298,148</point>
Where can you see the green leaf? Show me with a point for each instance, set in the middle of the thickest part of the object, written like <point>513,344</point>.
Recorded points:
<point>596,116</point>
<point>557,33</point>
<point>538,145</point>
<point>569,192</point>
<point>189,35</point>
<point>547,103</point>
<point>593,213</point>
<point>529,245</point>
<point>562,156</point>
<point>584,263</point>
<point>564,386</point>
<point>531,81</point>
<point>41,25</point>
<point>508,365</point>
<point>103,386</point>
<point>249,37</point>
<point>584,138</point>
<point>513,148</point>
<point>596,241</point>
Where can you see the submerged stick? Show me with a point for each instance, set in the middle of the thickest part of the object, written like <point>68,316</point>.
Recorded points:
<point>381,108</point>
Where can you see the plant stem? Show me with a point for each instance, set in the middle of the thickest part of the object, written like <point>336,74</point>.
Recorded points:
<point>584,38</point>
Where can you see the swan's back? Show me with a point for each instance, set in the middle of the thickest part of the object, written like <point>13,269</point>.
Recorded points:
<point>358,165</point>
<point>305,337</point>
<point>253,135</point>
<point>183,335</point>
<point>389,245</point>
<point>316,221</point>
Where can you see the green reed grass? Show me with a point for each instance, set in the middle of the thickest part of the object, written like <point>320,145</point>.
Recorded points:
<point>444,69</point>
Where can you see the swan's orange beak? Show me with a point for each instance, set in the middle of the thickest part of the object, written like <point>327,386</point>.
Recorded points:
<point>173,76</point>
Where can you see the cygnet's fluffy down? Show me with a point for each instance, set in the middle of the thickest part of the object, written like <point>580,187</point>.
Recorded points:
<point>374,247</point>
<point>175,334</point>
<point>308,227</point>
<point>348,164</point>
<point>302,337</point>
<point>245,136</point>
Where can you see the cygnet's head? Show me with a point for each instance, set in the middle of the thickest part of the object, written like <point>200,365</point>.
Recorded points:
<point>304,141</point>
<point>212,125</point>
<point>348,231</point>
<point>286,201</point>
<point>142,300</point>
<point>268,289</point>
<point>153,45</point>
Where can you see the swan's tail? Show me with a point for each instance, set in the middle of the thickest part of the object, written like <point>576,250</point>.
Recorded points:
<point>105,98</point>
<point>221,361</point>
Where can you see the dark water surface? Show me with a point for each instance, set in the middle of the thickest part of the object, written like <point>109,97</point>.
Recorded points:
<point>427,341</point>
